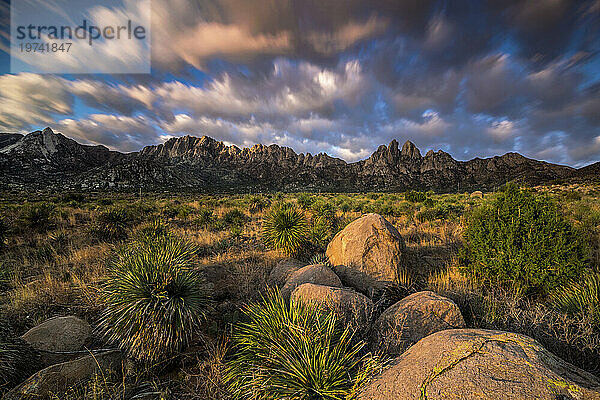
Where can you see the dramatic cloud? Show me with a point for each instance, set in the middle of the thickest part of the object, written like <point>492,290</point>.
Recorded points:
<point>117,132</point>
<point>471,78</point>
<point>30,99</point>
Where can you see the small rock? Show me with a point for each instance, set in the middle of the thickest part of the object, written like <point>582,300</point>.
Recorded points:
<point>283,270</point>
<point>474,364</point>
<point>318,274</point>
<point>414,317</point>
<point>367,253</point>
<point>60,377</point>
<point>59,334</point>
<point>353,308</point>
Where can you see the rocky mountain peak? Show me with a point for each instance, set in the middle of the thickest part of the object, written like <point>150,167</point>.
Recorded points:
<point>45,159</point>
<point>410,150</point>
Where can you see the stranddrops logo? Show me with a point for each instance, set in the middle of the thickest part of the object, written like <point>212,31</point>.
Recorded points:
<point>83,36</point>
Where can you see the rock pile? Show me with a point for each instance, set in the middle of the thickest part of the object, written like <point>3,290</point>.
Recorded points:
<point>436,357</point>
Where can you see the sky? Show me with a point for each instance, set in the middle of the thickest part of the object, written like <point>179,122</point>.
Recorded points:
<point>473,78</point>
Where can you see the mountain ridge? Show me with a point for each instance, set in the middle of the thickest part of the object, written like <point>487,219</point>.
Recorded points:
<point>47,160</point>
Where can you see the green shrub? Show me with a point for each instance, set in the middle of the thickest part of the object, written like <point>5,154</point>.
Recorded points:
<point>184,211</point>
<point>177,210</point>
<point>428,202</point>
<point>285,229</point>
<point>440,211</point>
<point>73,198</point>
<point>154,297</point>
<point>294,352</point>
<point>346,206</point>
<point>430,214</point>
<point>322,208</point>
<point>359,205</point>
<point>38,216</point>
<point>415,197</point>
<point>305,201</point>
<point>582,296</point>
<point>521,240</point>
<point>235,218</point>
<point>572,195</point>
<point>386,208</point>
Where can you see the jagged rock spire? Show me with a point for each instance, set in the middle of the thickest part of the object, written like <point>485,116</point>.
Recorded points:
<point>410,150</point>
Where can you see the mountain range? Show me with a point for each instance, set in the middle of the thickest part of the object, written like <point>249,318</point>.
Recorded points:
<point>45,160</point>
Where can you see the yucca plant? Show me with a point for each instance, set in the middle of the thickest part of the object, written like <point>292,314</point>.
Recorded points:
<point>256,204</point>
<point>319,258</point>
<point>114,223</point>
<point>204,218</point>
<point>285,229</point>
<point>9,360</point>
<point>320,232</point>
<point>60,242</point>
<point>152,231</point>
<point>582,296</point>
<point>293,351</point>
<point>154,297</point>
<point>38,216</point>
<point>17,359</point>
<point>234,217</point>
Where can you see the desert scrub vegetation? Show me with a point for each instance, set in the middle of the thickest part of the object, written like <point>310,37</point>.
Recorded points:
<point>292,351</point>
<point>522,240</point>
<point>257,204</point>
<point>154,297</point>
<point>63,270</point>
<point>38,216</point>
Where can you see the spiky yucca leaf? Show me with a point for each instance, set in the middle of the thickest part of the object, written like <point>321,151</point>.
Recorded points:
<point>321,231</point>
<point>320,258</point>
<point>582,296</point>
<point>17,359</point>
<point>152,231</point>
<point>154,297</point>
<point>9,360</point>
<point>293,351</point>
<point>285,229</point>
<point>4,231</point>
